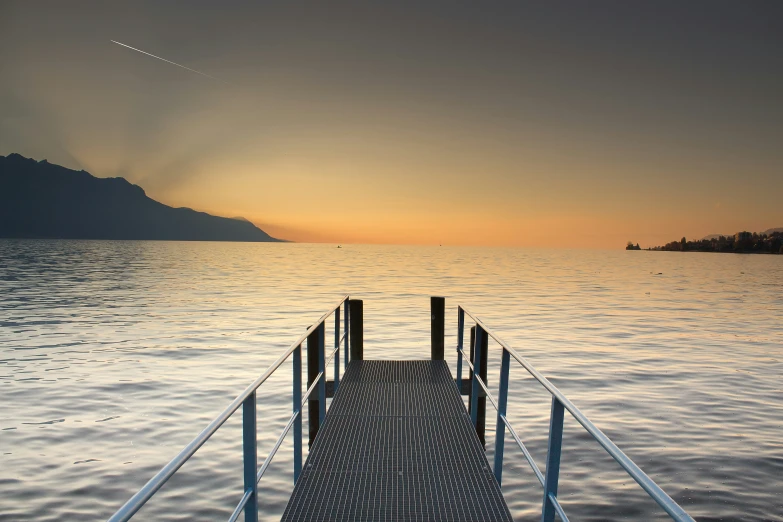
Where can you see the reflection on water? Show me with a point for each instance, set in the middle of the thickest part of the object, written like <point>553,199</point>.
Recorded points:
<point>113,355</point>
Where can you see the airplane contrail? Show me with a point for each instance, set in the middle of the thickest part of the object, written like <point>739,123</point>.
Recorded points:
<point>169,61</point>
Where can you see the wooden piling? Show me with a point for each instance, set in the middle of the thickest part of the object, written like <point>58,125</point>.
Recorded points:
<point>470,372</point>
<point>437,329</point>
<point>481,419</point>
<point>313,406</point>
<point>356,314</point>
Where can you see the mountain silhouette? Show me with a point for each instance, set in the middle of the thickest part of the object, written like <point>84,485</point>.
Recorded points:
<point>43,200</point>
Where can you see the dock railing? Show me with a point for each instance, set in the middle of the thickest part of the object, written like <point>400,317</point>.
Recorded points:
<point>317,371</point>
<point>560,403</point>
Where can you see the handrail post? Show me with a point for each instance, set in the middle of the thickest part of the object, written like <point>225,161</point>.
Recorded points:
<point>357,329</point>
<point>460,335</point>
<point>474,391</point>
<point>297,409</point>
<point>250,456</point>
<point>346,322</point>
<point>437,327</point>
<point>313,417</point>
<point>500,427</point>
<point>337,349</point>
<point>322,371</point>
<point>553,460</point>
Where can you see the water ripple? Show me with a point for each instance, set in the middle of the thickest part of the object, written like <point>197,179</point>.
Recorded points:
<point>114,355</point>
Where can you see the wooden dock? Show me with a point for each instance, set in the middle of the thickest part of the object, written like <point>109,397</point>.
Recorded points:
<point>397,444</point>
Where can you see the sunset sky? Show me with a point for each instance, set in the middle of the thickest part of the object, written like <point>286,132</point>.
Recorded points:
<point>566,124</point>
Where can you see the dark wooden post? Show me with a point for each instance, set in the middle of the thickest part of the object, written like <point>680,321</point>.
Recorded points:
<point>481,419</point>
<point>313,408</point>
<point>437,329</point>
<point>470,372</point>
<point>356,314</point>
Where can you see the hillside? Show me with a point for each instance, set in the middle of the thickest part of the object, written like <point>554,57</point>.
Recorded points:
<point>43,200</point>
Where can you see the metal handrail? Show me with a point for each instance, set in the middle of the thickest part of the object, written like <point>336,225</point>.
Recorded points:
<point>559,402</point>
<point>243,399</point>
<point>480,382</point>
<point>528,456</point>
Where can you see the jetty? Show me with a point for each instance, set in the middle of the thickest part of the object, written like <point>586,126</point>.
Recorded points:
<point>397,441</point>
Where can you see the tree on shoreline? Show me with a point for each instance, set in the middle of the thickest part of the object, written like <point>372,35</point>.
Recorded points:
<point>741,242</point>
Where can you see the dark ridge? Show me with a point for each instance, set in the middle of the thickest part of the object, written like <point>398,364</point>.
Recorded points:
<point>42,200</point>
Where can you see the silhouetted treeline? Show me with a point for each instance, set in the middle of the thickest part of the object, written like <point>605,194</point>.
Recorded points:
<point>741,242</point>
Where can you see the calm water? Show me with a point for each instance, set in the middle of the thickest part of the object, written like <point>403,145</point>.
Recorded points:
<point>113,355</point>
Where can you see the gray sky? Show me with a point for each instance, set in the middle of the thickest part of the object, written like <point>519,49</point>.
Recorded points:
<point>479,123</point>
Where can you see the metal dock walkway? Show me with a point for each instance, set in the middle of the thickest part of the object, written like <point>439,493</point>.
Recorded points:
<point>397,444</point>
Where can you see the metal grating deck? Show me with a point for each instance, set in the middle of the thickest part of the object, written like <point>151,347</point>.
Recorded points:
<point>397,444</point>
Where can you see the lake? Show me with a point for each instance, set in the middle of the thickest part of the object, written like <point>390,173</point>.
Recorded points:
<point>114,355</point>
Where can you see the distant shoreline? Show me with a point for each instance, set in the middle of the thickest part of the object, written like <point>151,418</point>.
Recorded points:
<point>656,249</point>
<point>767,242</point>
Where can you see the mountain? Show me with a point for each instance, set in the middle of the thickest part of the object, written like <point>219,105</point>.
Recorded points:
<point>42,200</point>
<point>770,231</point>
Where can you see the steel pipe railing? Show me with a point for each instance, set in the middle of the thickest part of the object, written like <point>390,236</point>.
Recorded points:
<point>557,507</point>
<point>247,400</point>
<point>481,384</point>
<point>525,452</point>
<point>560,404</point>
<point>278,442</point>
<point>241,506</point>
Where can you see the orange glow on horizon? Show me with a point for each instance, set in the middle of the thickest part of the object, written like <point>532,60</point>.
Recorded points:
<point>414,126</point>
